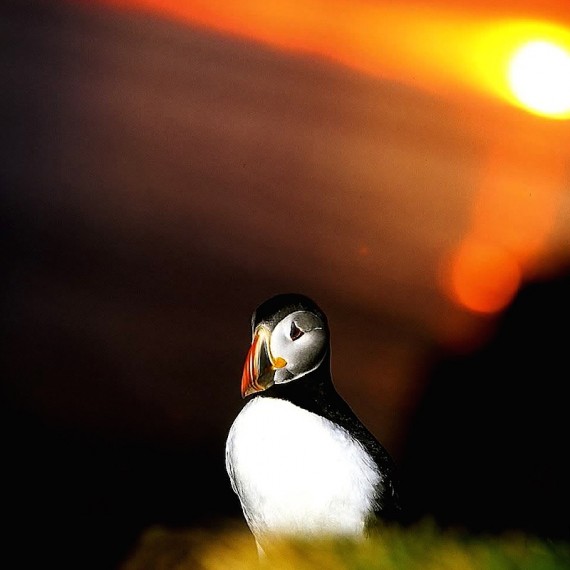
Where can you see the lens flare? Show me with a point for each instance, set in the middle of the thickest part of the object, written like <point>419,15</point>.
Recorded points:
<point>483,276</point>
<point>539,76</point>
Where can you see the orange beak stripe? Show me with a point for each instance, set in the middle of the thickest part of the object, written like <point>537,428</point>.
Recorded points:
<point>259,364</point>
<point>250,371</point>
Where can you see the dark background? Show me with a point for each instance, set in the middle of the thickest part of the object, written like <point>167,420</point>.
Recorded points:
<point>158,182</point>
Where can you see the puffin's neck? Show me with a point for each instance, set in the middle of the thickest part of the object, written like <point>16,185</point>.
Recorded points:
<point>314,392</point>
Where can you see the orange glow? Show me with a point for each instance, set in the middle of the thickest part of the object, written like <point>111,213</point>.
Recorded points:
<point>403,43</point>
<point>440,50</point>
<point>512,216</point>
<point>484,277</point>
<point>533,80</point>
<point>517,200</point>
<point>429,47</point>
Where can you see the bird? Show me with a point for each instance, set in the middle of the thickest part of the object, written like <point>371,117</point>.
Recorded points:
<point>299,459</point>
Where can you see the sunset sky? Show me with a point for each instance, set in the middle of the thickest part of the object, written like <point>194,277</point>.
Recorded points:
<point>167,166</point>
<point>448,49</point>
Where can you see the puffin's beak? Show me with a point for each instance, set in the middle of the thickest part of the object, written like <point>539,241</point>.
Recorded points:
<point>260,365</point>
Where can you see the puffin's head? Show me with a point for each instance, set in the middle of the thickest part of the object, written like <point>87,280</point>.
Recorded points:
<point>290,339</point>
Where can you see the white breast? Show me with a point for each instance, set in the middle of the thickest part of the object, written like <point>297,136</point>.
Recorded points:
<point>298,473</point>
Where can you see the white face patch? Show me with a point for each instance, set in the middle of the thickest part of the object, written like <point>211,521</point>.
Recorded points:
<point>301,340</point>
<point>297,473</point>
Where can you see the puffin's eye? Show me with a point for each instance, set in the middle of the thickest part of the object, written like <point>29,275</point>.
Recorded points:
<point>296,332</point>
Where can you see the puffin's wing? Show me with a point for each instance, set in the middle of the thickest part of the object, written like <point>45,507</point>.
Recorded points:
<point>388,499</point>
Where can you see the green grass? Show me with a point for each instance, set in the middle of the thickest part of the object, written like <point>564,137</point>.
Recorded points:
<point>423,546</point>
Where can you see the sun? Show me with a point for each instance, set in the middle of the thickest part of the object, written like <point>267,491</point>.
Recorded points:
<point>539,77</point>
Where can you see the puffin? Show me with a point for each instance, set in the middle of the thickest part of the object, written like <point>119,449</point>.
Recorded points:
<point>300,461</point>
